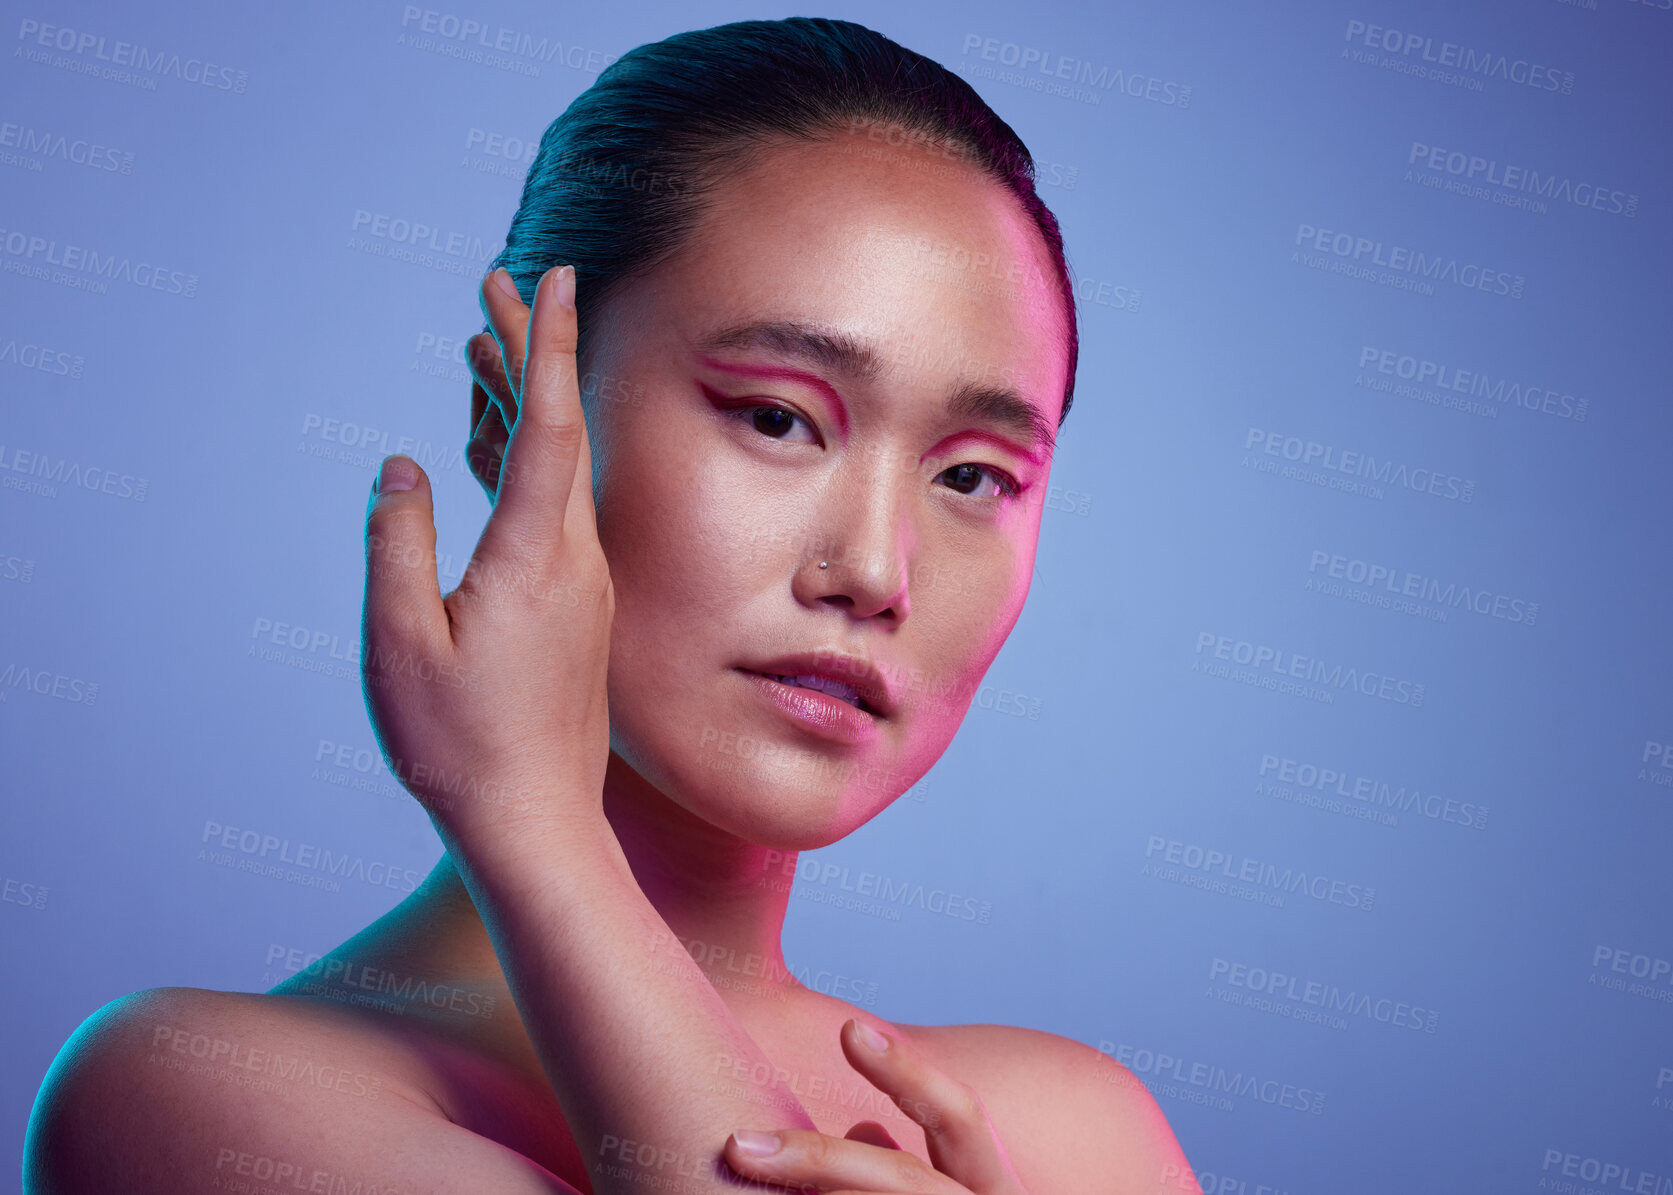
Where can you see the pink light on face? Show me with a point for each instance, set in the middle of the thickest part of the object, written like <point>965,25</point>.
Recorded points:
<point>787,373</point>
<point>974,433</point>
<point>815,382</point>
<point>707,546</point>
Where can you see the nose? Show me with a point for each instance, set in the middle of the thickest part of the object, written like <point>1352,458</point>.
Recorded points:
<point>865,540</point>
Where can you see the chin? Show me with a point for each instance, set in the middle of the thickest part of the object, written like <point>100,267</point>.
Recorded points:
<point>783,808</point>
<point>776,796</point>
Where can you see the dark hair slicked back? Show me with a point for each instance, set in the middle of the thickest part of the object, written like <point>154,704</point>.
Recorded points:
<point>619,182</point>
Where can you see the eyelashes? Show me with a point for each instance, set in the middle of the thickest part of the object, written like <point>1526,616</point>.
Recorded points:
<point>751,411</point>
<point>1009,487</point>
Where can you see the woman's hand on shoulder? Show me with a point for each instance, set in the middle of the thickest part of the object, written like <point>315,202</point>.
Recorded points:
<point>490,703</point>
<point>966,1154</point>
<point>1075,1119</point>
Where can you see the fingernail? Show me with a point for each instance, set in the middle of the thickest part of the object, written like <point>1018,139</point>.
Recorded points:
<point>871,1037</point>
<point>398,473</point>
<point>502,279</point>
<point>756,1144</point>
<point>564,286</point>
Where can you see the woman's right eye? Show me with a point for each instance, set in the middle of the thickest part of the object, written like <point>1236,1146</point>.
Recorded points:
<point>774,421</point>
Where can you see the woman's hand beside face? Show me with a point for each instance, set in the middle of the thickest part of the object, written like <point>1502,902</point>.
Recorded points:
<point>490,703</point>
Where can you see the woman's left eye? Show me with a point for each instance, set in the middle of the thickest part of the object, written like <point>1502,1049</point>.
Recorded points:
<point>971,474</point>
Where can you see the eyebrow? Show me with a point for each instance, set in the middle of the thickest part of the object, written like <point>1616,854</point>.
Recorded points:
<point>856,360</point>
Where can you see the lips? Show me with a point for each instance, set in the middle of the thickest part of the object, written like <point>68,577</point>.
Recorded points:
<point>824,684</point>
<point>851,679</point>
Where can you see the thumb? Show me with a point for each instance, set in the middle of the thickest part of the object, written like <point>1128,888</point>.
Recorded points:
<point>403,618</point>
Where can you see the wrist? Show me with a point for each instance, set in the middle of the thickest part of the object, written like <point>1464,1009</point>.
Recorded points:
<point>480,805</point>
<point>529,839</point>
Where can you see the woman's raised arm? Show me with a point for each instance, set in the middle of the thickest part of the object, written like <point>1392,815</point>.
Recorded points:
<point>490,704</point>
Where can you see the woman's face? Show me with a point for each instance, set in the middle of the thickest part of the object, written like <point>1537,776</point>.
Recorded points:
<point>715,513</point>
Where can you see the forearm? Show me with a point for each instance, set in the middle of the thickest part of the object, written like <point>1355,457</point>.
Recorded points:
<point>636,1042</point>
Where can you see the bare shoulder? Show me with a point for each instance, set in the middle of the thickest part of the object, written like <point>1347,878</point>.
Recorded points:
<point>1072,1118</point>
<point>187,1090</point>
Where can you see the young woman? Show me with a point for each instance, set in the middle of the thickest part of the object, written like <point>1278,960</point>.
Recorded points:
<point>766,457</point>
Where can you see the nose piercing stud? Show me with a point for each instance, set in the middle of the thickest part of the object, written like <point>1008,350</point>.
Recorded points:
<point>822,564</point>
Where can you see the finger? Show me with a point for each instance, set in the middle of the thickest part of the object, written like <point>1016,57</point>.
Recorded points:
<point>403,618</point>
<point>500,360</point>
<point>807,1157</point>
<point>508,319</point>
<point>872,1133</point>
<point>957,1132</point>
<point>551,371</point>
<point>479,396</point>
<point>486,447</point>
<point>492,388</point>
<point>537,510</point>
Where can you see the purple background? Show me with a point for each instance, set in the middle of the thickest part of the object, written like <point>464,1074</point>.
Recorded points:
<point>185,458</point>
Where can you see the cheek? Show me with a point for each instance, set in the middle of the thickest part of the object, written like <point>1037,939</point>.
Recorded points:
<point>687,547</point>
<point>964,606</point>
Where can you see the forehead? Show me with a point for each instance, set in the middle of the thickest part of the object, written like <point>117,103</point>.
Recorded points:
<point>899,246</point>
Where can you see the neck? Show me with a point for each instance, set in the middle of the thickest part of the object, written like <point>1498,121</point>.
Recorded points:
<point>723,896</point>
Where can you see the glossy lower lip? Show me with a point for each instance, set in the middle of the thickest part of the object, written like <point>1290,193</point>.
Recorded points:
<point>826,716</point>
